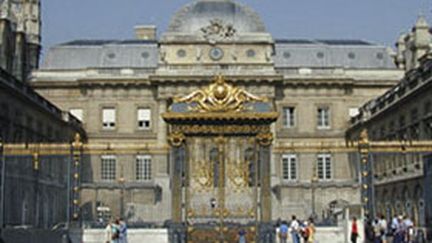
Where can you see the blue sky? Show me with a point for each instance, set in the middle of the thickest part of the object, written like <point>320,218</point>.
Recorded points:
<point>378,21</point>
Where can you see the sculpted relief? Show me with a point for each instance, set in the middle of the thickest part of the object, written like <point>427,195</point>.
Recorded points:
<point>218,30</point>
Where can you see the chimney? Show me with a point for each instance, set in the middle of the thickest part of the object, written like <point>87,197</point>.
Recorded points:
<point>145,32</point>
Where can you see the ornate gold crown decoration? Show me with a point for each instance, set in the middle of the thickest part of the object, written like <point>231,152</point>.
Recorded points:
<point>219,97</point>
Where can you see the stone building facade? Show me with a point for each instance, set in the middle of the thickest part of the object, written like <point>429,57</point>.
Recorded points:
<point>120,89</point>
<point>33,187</point>
<point>403,113</point>
<point>20,42</point>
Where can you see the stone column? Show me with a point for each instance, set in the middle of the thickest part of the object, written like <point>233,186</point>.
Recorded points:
<point>177,161</point>
<point>266,229</point>
<point>265,184</point>
<point>162,126</point>
<point>162,129</point>
<point>177,230</point>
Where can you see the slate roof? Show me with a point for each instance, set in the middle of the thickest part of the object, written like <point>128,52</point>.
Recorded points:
<point>353,54</point>
<point>289,53</point>
<point>81,54</point>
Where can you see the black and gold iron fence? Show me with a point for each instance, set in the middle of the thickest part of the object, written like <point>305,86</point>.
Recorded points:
<point>44,184</point>
<point>36,184</point>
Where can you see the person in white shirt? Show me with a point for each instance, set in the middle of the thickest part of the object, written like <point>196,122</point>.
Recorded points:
<point>294,228</point>
<point>383,228</point>
<point>108,232</point>
<point>408,226</point>
<point>394,224</point>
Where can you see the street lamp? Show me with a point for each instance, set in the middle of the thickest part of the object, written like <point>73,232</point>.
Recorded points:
<point>122,184</point>
<point>314,179</point>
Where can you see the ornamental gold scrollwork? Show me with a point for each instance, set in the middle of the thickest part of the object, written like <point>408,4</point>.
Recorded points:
<point>203,175</point>
<point>215,129</point>
<point>176,138</point>
<point>238,174</point>
<point>265,139</point>
<point>219,97</point>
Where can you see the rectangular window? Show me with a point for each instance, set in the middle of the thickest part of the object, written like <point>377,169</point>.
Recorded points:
<point>144,118</point>
<point>323,117</point>
<point>108,167</point>
<point>108,118</point>
<point>77,113</point>
<point>324,166</point>
<point>143,168</point>
<point>289,117</point>
<point>289,167</point>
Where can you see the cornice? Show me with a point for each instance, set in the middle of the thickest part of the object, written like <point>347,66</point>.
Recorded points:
<point>172,78</point>
<point>218,116</point>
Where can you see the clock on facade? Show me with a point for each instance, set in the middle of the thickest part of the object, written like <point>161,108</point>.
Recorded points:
<point>216,53</point>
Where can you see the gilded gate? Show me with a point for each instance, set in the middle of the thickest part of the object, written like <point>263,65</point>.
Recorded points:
<point>221,149</point>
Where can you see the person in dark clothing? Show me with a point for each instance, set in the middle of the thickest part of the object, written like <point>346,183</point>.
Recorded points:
<point>369,232</point>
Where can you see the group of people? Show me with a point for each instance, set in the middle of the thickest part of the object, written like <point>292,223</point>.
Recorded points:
<point>297,230</point>
<point>378,230</point>
<point>116,231</point>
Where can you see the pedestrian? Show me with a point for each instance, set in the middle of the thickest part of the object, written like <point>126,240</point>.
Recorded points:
<point>283,232</point>
<point>408,226</point>
<point>369,232</point>
<point>399,234</point>
<point>123,231</point>
<point>115,231</point>
<point>111,235</point>
<point>354,230</point>
<point>377,231</point>
<point>304,229</point>
<point>393,226</point>
<point>294,228</point>
<point>383,228</point>
<point>241,236</point>
<point>311,231</point>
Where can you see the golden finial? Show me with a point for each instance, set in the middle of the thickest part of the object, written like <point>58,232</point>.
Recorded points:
<point>77,141</point>
<point>35,161</point>
<point>364,137</point>
<point>220,91</point>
